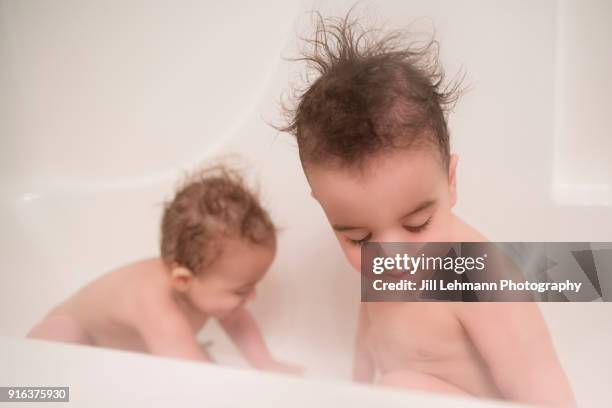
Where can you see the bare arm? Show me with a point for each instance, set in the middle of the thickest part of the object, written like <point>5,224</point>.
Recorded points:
<point>515,344</point>
<point>241,327</point>
<point>363,364</point>
<point>167,332</point>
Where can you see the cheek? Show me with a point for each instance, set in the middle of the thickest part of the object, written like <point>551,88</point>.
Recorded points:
<point>352,254</point>
<point>227,301</point>
<point>203,299</point>
<point>214,302</point>
<point>439,229</point>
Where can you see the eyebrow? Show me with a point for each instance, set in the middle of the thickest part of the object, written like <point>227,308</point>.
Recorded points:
<point>420,207</point>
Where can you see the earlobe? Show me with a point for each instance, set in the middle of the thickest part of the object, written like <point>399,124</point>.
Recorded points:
<point>181,278</point>
<point>452,178</point>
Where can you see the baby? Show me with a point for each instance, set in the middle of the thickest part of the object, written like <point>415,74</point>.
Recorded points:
<point>374,145</point>
<point>217,243</point>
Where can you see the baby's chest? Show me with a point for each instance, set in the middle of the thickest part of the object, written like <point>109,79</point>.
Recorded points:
<point>413,331</point>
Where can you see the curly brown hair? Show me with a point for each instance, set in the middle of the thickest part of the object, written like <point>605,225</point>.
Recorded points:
<point>211,205</point>
<point>373,92</point>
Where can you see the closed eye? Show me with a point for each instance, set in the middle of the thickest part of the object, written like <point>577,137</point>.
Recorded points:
<point>359,242</point>
<point>417,228</point>
<point>243,291</point>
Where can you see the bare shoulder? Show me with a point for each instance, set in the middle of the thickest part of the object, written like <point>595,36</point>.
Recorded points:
<point>133,282</point>
<point>149,280</point>
<point>143,291</point>
<point>144,266</point>
<point>112,290</point>
<point>463,232</point>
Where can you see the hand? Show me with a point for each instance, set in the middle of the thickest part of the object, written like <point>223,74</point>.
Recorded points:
<point>282,367</point>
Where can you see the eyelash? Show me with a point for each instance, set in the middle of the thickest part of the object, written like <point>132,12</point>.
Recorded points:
<point>359,242</point>
<point>419,228</point>
<point>242,292</point>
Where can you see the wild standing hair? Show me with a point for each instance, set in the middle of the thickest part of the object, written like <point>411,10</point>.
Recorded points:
<point>211,205</point>
<point>373,93</point>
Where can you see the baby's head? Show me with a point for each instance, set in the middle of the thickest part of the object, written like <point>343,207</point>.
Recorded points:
<point>216,241</point>
<point>372,136</point>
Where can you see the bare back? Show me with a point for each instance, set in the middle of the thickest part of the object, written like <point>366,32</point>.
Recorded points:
<point>109,309</point>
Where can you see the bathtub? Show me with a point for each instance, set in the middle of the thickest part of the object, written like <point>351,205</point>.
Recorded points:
<point>100,378</point>
<point>106,105</point>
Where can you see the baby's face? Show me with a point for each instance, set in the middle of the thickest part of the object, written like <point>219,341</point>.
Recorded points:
<point>230,281</point>
<point>401,196</point>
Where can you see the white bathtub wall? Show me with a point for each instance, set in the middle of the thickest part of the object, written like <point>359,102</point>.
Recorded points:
<point>105,103</point>
<point>583,170</point>
<point>118,90</point>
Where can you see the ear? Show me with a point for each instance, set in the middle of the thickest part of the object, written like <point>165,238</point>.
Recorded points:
<point>181,278</point>
<point>452,178</point>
